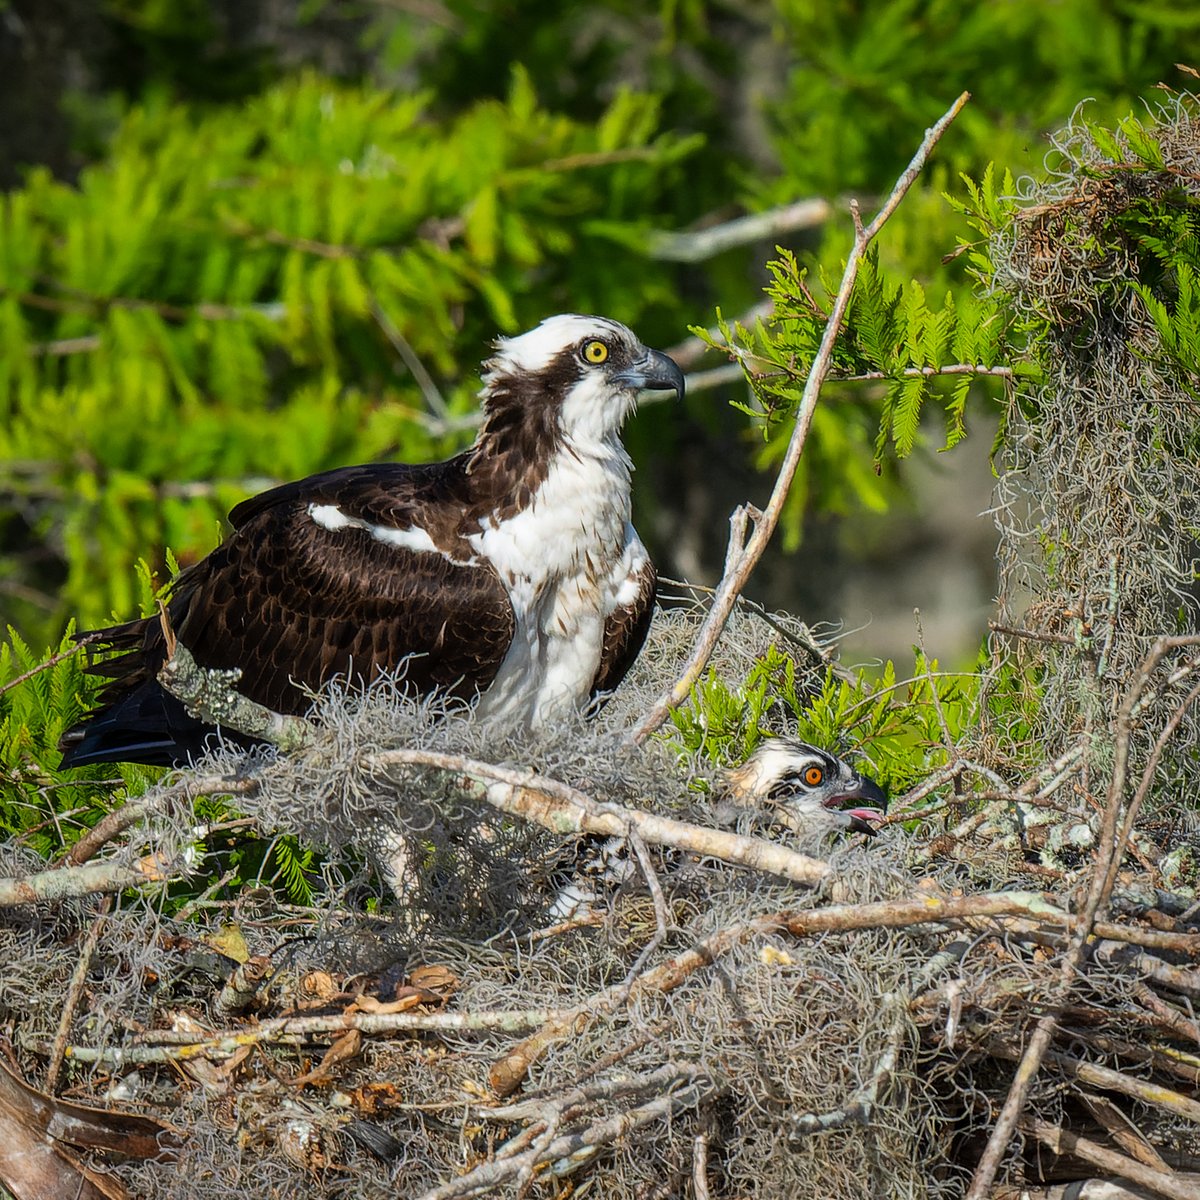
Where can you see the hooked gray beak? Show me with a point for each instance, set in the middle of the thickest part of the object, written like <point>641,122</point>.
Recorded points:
<point>861,820</point>
<point>654,371</point>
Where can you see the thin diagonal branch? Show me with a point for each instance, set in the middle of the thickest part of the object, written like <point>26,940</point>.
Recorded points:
<point>743,556</point>
<point>52,661</point>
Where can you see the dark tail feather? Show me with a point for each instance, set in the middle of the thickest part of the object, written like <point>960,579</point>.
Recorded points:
<point>147,725</point>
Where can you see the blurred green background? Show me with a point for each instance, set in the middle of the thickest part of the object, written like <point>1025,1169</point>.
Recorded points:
<point>245,240</point>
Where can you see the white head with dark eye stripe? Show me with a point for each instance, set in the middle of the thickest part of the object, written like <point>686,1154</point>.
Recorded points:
<point>805,789</point>
<point>586,372</point>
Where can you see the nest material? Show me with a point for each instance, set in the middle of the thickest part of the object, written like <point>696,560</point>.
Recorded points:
<point>1099,492</point>
<point>454,1040</point>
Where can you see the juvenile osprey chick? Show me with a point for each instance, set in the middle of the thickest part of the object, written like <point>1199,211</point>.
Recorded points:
<point>509,575</point>
<point>804,789</point>
<point>785,783</point>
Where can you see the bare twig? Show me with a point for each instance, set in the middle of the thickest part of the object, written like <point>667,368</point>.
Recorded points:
<point>1176,979</point>
<point>52,661</point>
<point>132,811</point>
<point>1156,939</point>
<point>662,915</point>
<point>62,347</point>
<point>416,368</point>
<point>743,555</point>
<point>177,1045</point>
<point>1110,1080</point>
<point>1033,635</point>
<point>1121,1129</point>
<point>1167,1016</point>
<point>700,1166</point>
<point>74,991</point>
<point>487,1177</point>
<point>698,245</point>
<point>974,369</point>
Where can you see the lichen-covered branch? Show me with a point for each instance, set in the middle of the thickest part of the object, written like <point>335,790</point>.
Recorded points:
<point>88,880</point>
<point>210,696</point>
<point>1062,1141</point>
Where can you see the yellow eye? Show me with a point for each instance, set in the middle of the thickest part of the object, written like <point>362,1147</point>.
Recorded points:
<point>594,352</point>
<point>813,776</point>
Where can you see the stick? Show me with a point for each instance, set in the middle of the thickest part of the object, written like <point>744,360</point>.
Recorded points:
<point>210,695</point>
<point>487,1177</point>
<point>564,810</point>
<point>133,811</point>
<point>179,1045</point>
<point>742,555</point>
<point>698,245</point>
<point>74,991</point>
<point>416,368</point>
<point>52,661</point>
<point>662,914</point>
<point>1153,1094</point>
<point>63,883</point>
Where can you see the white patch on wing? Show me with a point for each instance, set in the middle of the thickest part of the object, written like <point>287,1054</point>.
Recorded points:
<point>560,571</point>
<point>330,517</point>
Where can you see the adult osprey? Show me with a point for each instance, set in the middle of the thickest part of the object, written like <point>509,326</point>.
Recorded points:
<point>509,575</point>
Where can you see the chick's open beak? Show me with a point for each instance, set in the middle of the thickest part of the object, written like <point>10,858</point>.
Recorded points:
<point>862,819</point>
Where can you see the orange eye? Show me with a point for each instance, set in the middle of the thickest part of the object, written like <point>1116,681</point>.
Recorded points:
<point>594,352</point>
<point>813,776</point>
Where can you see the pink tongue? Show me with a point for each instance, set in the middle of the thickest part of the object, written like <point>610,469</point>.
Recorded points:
<point>865,814</point>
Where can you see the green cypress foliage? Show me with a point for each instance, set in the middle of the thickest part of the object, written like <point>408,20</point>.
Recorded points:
<point>229,297</point>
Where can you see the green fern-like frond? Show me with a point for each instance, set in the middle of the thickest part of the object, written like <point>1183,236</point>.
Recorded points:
<point>894,724</point>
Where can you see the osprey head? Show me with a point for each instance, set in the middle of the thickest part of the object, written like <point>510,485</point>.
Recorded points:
<point>806,789</point>
<point>582,373</point>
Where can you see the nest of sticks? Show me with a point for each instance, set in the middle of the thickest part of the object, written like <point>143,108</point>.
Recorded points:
<point>728,1016</point>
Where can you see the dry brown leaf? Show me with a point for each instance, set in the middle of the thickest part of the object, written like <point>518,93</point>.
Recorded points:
<point>410,998</point>
<point>229,941</point>
<point>316,988</point>
<point>346,1046</point>
<point>370,1099</point>
<point>34,1165</point>
<point>434,979</point>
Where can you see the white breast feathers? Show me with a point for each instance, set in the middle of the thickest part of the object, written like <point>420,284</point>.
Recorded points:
<point>560,559</point>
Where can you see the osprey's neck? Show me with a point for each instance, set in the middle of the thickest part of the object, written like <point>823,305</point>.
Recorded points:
<point>521,440</point>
